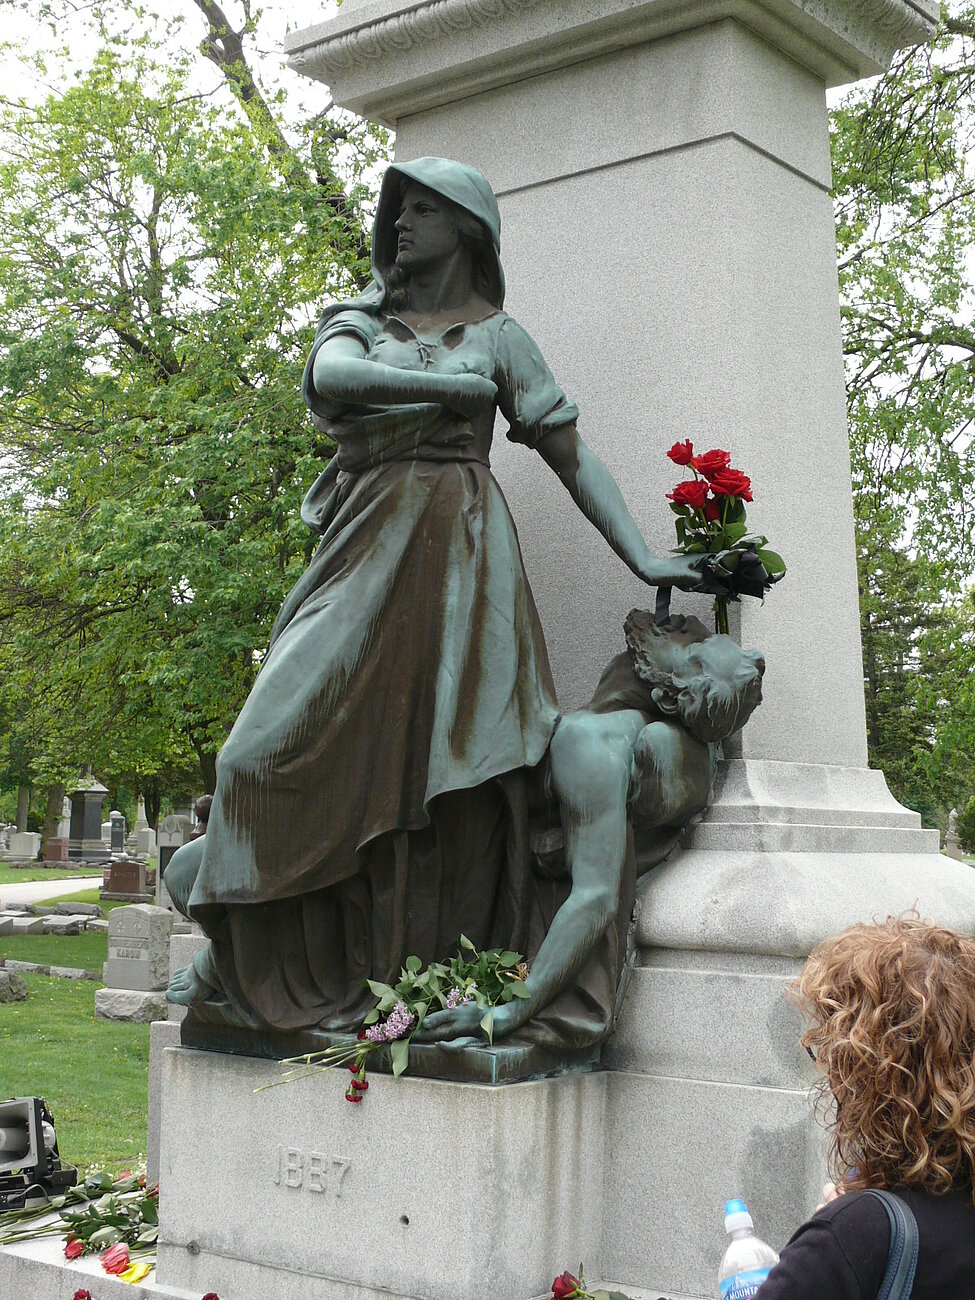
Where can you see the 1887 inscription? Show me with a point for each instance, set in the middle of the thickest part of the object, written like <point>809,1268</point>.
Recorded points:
<point>311,1170</point>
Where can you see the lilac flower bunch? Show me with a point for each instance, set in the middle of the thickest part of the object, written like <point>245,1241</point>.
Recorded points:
<point>397,1024</point>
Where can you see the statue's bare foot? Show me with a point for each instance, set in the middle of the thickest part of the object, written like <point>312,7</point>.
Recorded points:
<point>187,989</point>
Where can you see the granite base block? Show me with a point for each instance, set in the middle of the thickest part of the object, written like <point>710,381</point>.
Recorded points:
<point>130,1004</point>
<point>37,1270</point>
<point>292,1194</point>
<point>162,1034</point>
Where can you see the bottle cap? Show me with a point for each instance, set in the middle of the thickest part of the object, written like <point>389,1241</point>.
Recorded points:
<point>736,1216</point>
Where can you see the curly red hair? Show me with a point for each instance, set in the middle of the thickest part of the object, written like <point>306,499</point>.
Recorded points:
<point>892,1008</point>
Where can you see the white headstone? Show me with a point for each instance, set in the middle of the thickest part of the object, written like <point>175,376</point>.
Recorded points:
<point>138,947</point>
<point>25,844</point>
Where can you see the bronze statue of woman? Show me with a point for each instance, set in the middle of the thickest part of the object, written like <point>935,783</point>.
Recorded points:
<point>371,798</point>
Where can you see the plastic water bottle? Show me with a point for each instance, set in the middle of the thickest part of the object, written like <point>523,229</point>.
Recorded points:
<point>747,1261</point>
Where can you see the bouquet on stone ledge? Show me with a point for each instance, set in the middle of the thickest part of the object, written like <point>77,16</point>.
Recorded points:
<point>710,510</point>
<point>482,979</point>
<point>115,1218</point>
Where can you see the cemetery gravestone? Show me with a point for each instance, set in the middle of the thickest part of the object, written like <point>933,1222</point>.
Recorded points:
<point>126,879</point>
<point>25,844</point>
<point>117,832</point>
<point>85,840</point>
<point>137,969</point>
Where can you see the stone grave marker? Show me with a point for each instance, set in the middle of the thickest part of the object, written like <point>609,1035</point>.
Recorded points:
<point>78,909</point>
<point>137,970</point>
<point>65,924</point>
<point>25,844</point>
<point>126,879</point>
<point>27,925</point>
<point>116,823</point>
<point>138,948</point>
<point>85,840</point>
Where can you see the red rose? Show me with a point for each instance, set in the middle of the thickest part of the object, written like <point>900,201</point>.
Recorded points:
<point>712,509</point>
<point>732,483</point>
<point>693,492</point>
<point>116,1258</point>
<point>681,453</point>
<point>710,461</point>
<point>81,1295</point>
<point>73,1248</point>
<point>211,1295</point>
<point>564,1286</point>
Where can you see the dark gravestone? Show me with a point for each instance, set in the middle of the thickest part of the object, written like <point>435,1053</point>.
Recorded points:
<point>85,828</point>
<point>118,832</point>
<point>126,878</point>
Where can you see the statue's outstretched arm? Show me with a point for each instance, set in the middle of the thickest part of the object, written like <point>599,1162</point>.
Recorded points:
<point>591,757</point>
<point>595,492</point>
<point>342,374</point>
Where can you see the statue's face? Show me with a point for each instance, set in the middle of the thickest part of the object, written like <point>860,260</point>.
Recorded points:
<point>427,233</point>
<point>726,687</point>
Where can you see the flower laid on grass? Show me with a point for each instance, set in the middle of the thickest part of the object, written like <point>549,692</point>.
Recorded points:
<point>568,1287</point>
<point>484,979</point>
<point>710,510</point>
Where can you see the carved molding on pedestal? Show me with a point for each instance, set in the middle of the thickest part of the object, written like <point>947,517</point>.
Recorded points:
<point>386,64</point>
<point>428,22</point>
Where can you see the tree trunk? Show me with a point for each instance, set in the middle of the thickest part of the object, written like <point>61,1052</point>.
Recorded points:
<point>23,806</point>
<point>152,793</point>
<point>52,813</point>
<point>208,769</point>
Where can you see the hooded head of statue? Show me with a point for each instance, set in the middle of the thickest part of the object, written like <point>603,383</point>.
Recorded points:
<point>468,199</point>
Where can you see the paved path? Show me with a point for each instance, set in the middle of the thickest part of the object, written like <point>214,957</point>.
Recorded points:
<point>36,891</point>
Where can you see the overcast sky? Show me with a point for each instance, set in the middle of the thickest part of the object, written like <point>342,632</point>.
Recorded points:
<point>278,17</point>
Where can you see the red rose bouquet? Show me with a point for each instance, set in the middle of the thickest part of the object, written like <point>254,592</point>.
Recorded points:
<point>710,510</point>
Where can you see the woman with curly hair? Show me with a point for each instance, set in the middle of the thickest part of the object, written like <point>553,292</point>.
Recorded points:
<point>892,1032</point>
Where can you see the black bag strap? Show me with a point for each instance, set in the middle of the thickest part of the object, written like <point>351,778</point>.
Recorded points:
<point>902,1259</point>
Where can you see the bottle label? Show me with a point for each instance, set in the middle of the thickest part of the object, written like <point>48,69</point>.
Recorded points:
<point>744,1285</point>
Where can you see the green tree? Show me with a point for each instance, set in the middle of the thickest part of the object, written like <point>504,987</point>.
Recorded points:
<point>905,209</point>
<point>162,257</point>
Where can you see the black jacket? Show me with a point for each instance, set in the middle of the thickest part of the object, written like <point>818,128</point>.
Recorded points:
<point>841,1252</point>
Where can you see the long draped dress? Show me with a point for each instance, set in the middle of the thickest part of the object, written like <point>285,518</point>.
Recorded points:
<point>370,800</point>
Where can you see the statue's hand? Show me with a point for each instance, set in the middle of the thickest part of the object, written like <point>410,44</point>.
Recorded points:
<point>469,394</point>
<point>682,571</point>
<point>442,1025</point>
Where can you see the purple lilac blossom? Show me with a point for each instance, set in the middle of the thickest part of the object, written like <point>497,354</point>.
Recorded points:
<point>397,1024</point>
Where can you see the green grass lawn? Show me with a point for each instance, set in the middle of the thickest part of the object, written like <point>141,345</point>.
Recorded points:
<point>93,1073</point>
<point>20,875</point>
<point>87,951</point>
